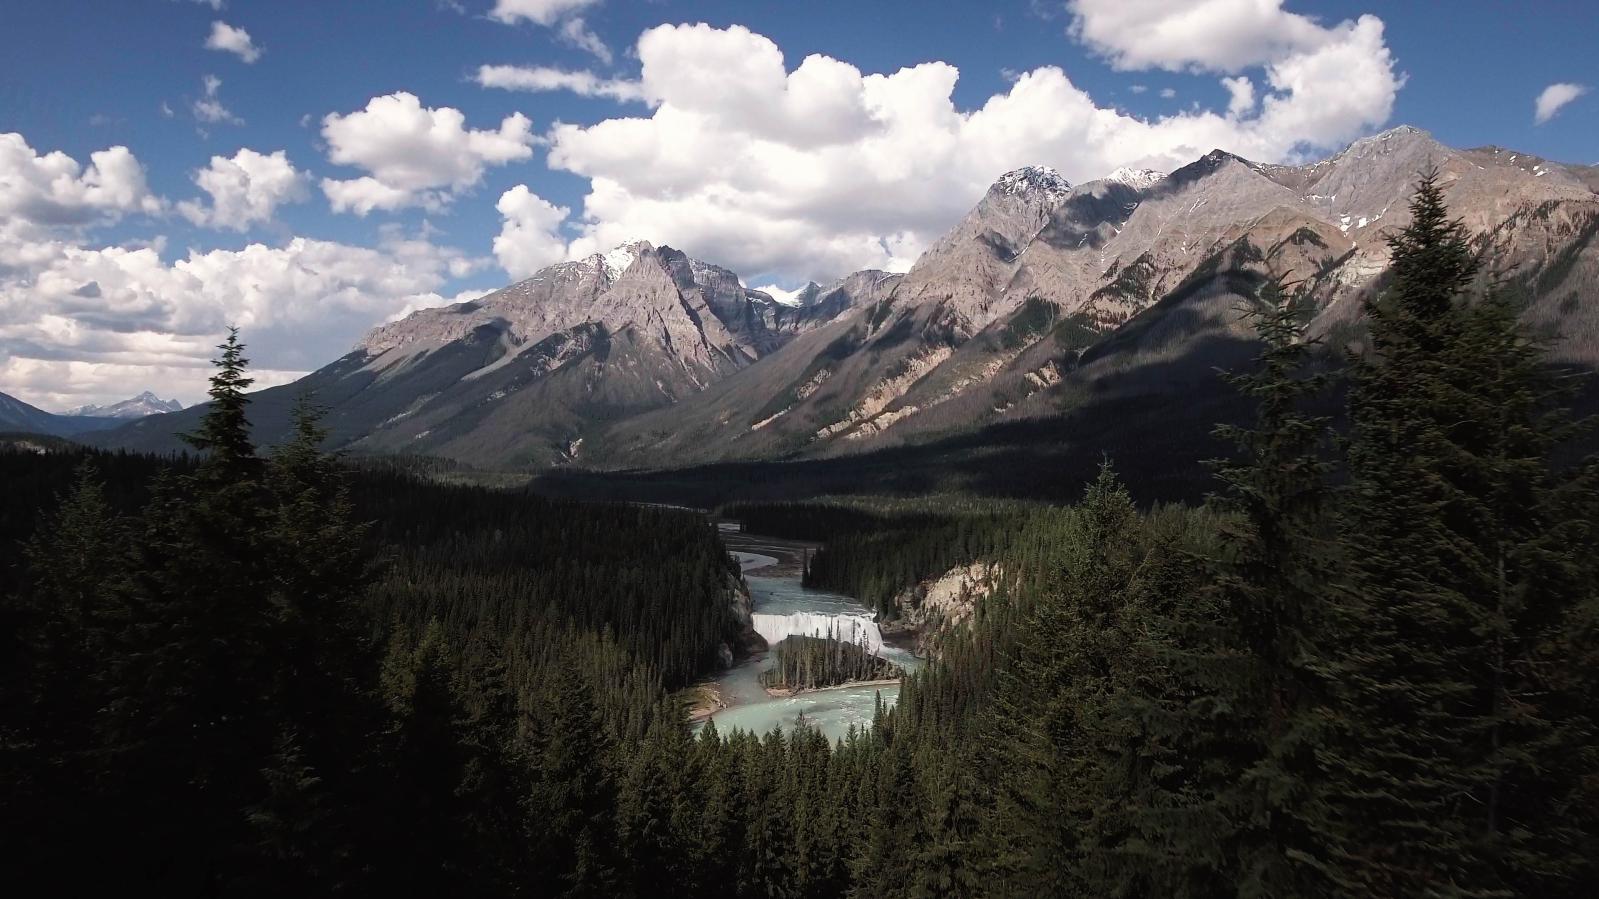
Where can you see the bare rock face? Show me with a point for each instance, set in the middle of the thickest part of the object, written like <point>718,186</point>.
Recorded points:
<point>526,375</point>
<point>1046,299</point>
<point>1046,293</point>
<point>934,607</point>
<point>967,268</point>
<point>679,301</point>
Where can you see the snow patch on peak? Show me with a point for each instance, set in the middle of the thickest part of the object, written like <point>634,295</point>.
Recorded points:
<point>1138,179</point>
<point>146,403</point>
<point>621,258</point>
<point>1033,179</point>
<point>1398,131</point>
<point>790,298</point>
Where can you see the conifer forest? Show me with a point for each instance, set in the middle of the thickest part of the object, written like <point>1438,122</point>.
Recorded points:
<point>1366,665</point>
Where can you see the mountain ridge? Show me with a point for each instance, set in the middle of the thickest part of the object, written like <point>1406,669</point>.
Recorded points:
<point>146,403</point>
<point>645,357</point>
<point>17,416</point>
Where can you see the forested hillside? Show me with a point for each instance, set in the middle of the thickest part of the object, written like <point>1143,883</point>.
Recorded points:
<point>240,674</point>
<point>1362,668</point>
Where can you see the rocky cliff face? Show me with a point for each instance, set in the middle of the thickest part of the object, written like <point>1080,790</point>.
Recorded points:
<point>698,310</point>
<point>1047,300</point>
<point>1048,294</point>
<point>930,609</point>
<point>523,376</point>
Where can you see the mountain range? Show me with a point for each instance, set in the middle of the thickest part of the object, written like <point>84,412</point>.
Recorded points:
<point>144,404</point>
<point>1054,322</point>
<point>17,416</point>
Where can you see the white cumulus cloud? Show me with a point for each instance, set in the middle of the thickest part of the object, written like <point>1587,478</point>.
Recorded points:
<point>228,39</point>
<point>1201,35</point>
<point>819,169</point>
<point>546,78</point>
<point>414,155</point>
<point>85,322</point>
<point>54,189</point>
<point>81,324</point>
<point>1554,98</point>
<point>1241,96</point>
<point>529,237</point>
<point>245,190</point>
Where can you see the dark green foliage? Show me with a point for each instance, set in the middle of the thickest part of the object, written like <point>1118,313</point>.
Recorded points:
<point>191,685</point>
<point>809,663</point>
<point>1034,318</point>
<point>1456,583</point>
<point>1131,282</point>
<point>1292,691</point>
<point>224,433</point>
<point>1257,656</point>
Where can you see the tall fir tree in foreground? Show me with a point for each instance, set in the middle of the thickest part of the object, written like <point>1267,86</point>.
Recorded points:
<point>224,433</point>
<point>54,685</point>
<point>192,714</point>
<point>1048,707</point>
<point>1455,591</point>
<point>1269,589</point>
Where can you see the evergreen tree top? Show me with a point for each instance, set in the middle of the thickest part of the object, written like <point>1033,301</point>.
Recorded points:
<point>224,432</point>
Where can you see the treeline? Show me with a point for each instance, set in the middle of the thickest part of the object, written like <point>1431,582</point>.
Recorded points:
<point>489,563</point>
<point>810,663</point>
<point>881,550</point>
<point>236,674</point>
<point>1367,669</point>
<point>875,549</point>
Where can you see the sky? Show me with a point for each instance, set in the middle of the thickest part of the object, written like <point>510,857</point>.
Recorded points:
<point>307,170</point>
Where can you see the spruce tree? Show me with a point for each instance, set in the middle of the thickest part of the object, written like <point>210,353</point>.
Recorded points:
<point>195,702</point>
<point>1453,589</point>
<point>1059,681</point>
<point>1268,592</point>
<point>945,866</point>
<point>224,433</point>
<point>572,803</point>
<point>62,633</point>
<point>430,849</point>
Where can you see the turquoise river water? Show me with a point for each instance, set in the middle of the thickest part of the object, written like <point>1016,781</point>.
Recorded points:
<point>831,711</point>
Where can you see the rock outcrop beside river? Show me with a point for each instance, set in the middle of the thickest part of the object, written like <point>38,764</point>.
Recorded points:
<point>931,608</point>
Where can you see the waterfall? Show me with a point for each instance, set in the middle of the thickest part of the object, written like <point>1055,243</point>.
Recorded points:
<point>858,629</point>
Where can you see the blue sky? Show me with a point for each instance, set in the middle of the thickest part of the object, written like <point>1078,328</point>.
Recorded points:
<point>118,277</point>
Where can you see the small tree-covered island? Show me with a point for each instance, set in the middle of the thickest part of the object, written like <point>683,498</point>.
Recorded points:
<point>1365,664</point>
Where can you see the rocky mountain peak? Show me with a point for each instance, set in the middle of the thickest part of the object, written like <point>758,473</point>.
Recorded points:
<point>620,258</point>
<point>146,403</point>
<point>1213,161</point>
<point>1137,179</point>
<point>1032,180</point>
<point>1401,141</point>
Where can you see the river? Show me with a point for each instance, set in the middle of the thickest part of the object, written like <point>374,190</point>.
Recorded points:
<point>778,594</point>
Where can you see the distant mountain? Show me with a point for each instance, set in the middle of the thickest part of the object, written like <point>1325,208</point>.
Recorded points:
<point>1054,322</point>
<point>144,404</point>
<point>18,417</point>
<point>522,376</point>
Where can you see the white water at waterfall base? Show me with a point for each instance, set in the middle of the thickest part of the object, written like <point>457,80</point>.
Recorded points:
<point>783,608</point>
